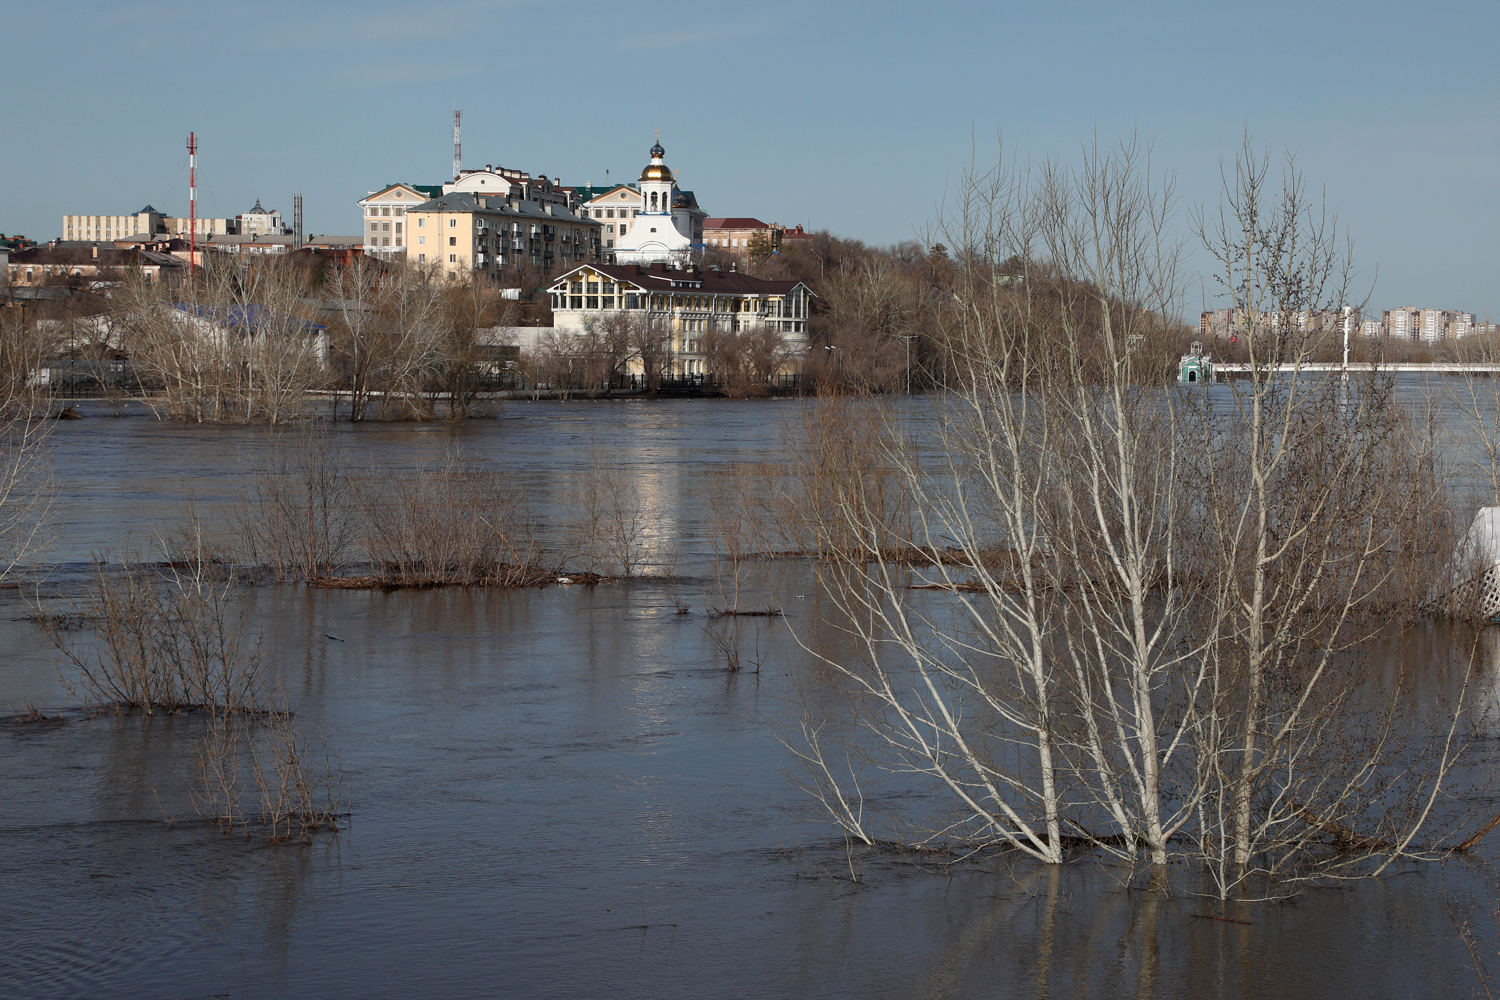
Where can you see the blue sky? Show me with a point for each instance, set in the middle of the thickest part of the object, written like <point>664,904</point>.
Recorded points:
<point>851,117</point>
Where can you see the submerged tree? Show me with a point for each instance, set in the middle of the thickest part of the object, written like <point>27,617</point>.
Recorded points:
<point>1145,607</point>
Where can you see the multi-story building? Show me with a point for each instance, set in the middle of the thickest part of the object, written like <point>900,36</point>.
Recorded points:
<point>505,182</point>
<point>259,222</point>
<point>741,235</point>
<point>689,300</point>
<point>1429,326</point>
<point>461,234</point>
<point>147,222</point>
<point>384,214</point>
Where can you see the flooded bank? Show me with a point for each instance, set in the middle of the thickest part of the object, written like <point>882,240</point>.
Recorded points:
<point>562,792</point>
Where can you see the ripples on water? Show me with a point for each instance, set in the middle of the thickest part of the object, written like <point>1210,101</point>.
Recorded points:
<point>560,793</point>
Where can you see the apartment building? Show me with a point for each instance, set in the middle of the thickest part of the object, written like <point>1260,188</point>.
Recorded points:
<point>384,213</point>
<point>1428,326</point>
<point>504,182</point>
<point>690,300</point>
<point>1231,324</point>
<point>460,234</point>
<point>147,222</point>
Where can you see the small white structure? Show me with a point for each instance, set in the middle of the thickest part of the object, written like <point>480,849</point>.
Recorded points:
<point>1473,584</point>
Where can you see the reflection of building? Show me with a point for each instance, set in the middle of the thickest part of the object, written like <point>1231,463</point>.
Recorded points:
<point>461,234</point>
<point>691,302</point>
<point>665,224</point>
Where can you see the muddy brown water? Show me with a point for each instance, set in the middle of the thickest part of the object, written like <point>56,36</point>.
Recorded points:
<point>562,793</point>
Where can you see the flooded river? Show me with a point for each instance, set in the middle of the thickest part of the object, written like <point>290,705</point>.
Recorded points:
<point>561,792</point>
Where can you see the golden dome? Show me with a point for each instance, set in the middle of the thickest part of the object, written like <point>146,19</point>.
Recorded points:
<point>656,170</point>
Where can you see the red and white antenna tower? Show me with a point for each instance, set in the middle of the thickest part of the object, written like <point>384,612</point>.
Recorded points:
<point>192,200</point>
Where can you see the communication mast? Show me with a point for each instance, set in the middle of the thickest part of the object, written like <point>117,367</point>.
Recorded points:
<point>192,145</point>
<point>297,221</point>
<point>458,149</point>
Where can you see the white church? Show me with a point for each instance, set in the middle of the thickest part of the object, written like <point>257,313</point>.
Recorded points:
<point>667,223</point>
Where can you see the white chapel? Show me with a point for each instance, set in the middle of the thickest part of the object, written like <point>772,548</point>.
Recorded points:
<point>664,229</point>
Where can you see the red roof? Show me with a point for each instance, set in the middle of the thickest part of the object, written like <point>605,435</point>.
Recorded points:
<point>734,224</point>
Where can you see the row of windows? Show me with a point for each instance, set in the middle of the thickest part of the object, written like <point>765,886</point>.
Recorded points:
<point>399,210</point>
<point>609,213</point>
<point>383,227</point>
<point>579,290</point>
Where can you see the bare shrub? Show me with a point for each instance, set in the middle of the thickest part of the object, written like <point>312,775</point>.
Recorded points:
<point>161,643</point>
<point>609,517</point>
<point>450,523</point>
<point>28,490</point>
<point>297,517</point>
<point>263,775</point>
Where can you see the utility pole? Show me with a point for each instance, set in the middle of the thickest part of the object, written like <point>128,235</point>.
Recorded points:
<point>192,145</point>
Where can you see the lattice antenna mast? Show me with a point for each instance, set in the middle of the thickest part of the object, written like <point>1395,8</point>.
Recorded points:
<point>458,147</point>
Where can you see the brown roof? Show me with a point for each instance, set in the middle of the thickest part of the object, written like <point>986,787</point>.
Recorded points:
<point>734,224</point>
<point>654,277</point>
<point>80,254</point>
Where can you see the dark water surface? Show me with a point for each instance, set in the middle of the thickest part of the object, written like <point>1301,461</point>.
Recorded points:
<point>562,793</point>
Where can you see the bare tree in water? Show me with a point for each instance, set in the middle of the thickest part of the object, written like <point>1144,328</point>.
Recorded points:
<point>1143,611</point>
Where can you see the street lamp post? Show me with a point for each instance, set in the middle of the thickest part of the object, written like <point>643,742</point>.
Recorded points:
<point>908,337</point>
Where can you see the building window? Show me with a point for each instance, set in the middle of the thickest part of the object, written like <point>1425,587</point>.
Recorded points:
<point>398,227</point>
<point>622,229</point>
<point>452,223</point>
<point>577,288</point>
<point>421,241</point>
<point>610,244</point>
<point>385,227</point>
<point>421,223</point>
<point>421,258</point>
<point>593,288</point>
<point>453,241</point>
<point>398,241</point>
<point>385,211</point>
<point>385,241</point>
<point>593,302</point>
<point>609,301</point>
<point>374,227</point>
<point>453,258</point>
<point>575,302</point>
<point>634,212</point>
<point>632,302</point>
